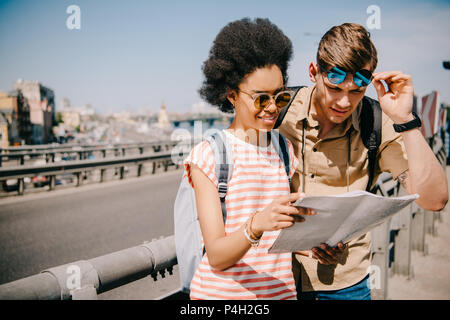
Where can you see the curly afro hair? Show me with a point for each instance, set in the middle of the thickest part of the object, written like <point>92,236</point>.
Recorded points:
<point>240,48</point>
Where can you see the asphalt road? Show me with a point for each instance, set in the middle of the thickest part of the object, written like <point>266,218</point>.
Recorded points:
<point>39,231</point>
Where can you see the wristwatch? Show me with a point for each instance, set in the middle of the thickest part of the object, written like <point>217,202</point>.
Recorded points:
<point>416,123</point>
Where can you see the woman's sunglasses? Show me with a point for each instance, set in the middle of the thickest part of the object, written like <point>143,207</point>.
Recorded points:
<point>361,78</point>
<point>263,100</point>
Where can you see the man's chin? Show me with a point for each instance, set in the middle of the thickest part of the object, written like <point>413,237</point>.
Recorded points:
<point>338,120</point>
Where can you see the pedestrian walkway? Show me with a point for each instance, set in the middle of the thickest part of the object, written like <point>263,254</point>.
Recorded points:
<point>431,271</point>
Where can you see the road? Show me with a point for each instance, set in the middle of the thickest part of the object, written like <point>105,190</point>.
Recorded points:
<point>39,231</point>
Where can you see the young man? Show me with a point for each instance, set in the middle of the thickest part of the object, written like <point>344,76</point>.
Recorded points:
<point>326,118</point>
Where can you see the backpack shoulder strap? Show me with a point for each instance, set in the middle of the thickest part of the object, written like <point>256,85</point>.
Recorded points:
<point>285,109</point>
<point>280,144</point>
<point>224,165</point>
<point>370,128</point>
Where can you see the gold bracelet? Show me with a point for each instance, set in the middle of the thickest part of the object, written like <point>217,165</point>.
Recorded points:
<point>253,243</point>
<point>249,226</point>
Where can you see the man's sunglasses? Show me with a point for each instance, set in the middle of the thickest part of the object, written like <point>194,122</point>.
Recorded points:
<point>263,100</point>
<point>361,78</point>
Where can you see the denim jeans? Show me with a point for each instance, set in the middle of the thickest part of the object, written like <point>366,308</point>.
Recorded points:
<point>359,291</point>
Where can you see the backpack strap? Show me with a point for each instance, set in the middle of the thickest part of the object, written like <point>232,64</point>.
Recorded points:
<point>370,128</point>
<point>280,144</point>
<point>285,109</point>
<point>224,166</point>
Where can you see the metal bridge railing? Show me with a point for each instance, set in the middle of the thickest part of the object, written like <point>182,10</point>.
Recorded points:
<point>393,241</point>
<point>78,167</point>
<point>83,280</point>
<point>174,151</point>
<point>49,152</point>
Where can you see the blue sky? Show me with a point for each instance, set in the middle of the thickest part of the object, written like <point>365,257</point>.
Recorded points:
<point>135,54</point>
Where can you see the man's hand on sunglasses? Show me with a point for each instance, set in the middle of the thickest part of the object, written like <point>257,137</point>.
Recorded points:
<point>397,101</point>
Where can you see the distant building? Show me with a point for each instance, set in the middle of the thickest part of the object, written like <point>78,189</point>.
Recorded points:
<point>4,141</point>
<point>42,109</point>
<point>74,117</point>
<point>71,118</point>
<point>65,103</point>
<point>15,110</point>
<point>163,118</point>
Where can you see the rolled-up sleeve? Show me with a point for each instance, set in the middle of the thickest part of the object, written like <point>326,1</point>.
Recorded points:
<point>392,150</point>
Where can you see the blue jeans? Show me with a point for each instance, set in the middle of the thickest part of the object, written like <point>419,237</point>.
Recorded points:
<point>359,291</point>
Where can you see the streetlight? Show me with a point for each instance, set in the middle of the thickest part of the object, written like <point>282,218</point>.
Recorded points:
<point>446,64</point>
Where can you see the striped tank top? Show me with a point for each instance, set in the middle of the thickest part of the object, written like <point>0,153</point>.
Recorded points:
<point>258,178</point>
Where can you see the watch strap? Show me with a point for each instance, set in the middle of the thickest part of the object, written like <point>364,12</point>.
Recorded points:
<point>415,123</point>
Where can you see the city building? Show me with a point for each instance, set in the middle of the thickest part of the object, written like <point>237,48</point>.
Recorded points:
<point>163,118</point>
<point>41,101</point>
<point>71,118</point>
<point>15,111</point>
<point>4,141</point>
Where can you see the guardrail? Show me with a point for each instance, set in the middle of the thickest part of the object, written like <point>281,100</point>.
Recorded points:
<point>393,241</point>
<point>66,146</point>
<point>77,167</point>
<point>49,152</point>
<point>84,279</point>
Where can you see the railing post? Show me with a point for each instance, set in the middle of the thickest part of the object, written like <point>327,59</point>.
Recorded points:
<point>21,186</point>
<point>380,259</point>
<point>52,183</point>
<point>429,222</point>
<point>166,165</point>
<point>102,175</point>
<point>402,249</point>
<point>418,230</point>
<point>79,177</point>
<point>436,218</point>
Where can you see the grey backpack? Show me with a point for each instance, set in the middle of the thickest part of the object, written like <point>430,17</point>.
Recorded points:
<point>187,228</point>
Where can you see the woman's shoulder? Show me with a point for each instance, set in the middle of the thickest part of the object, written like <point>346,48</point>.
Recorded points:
<point>201,153</point>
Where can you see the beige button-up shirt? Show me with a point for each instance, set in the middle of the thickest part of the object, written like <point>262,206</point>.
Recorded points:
<point>329,170</point>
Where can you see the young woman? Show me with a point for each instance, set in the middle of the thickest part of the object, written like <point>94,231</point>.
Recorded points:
<point>245,74</point>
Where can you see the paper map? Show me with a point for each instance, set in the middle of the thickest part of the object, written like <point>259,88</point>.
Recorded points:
<point>339,218</point>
